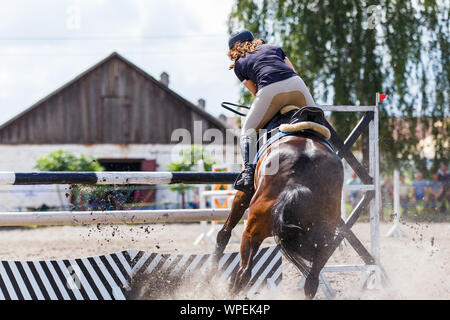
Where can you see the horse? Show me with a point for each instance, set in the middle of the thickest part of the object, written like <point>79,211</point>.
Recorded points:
<point>299,205</point>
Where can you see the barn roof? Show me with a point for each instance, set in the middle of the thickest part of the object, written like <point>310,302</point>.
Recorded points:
<point>201,113</point>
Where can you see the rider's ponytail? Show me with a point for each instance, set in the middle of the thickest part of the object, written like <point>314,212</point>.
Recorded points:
<point>240,49</point>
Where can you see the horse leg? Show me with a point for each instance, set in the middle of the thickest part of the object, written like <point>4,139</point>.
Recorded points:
<point>241,202</point>
<point>259,227</point>
<point>249,247</point>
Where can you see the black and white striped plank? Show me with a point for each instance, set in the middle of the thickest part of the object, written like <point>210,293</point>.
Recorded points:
<point>75,279</point>
<point>108,277</point>
<point>118,178</point>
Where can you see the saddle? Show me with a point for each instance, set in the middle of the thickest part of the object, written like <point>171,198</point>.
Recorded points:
<point>293,120</point>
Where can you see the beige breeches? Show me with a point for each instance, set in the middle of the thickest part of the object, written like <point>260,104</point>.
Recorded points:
<point>270,99</point>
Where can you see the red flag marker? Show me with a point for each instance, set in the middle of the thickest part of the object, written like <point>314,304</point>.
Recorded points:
<point>382,96</point>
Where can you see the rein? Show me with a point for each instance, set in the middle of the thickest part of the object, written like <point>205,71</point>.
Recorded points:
<point>227,105</point>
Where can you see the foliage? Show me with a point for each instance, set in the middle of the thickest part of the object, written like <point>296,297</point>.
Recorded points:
<point>62,160</point>
<point>65,161</point>
<point>347,50</point>
<point>189,158</point>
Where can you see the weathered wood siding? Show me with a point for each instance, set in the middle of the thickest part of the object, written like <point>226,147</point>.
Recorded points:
<point>112,103</point>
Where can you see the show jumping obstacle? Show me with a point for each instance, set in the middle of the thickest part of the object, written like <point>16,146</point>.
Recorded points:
<point>373,272</point>
<point>109,178</point>
<point>119,276</point>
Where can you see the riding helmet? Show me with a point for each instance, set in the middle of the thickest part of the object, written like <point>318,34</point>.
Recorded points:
<point>243,35</point>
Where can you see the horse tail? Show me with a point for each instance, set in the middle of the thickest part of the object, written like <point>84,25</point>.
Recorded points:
<point>287,212</point>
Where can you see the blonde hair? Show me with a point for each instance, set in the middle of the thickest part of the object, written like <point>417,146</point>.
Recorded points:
<point>240,49</point>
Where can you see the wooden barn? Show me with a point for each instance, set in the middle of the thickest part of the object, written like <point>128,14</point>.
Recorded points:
<point>114,111</point>
<point>113,102</point>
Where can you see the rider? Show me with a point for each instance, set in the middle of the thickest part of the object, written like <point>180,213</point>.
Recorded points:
<point>269,75</point>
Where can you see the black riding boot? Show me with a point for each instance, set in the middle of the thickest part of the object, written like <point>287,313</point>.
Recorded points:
<point>245,181</point>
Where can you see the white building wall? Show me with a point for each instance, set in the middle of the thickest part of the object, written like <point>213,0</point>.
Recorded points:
<point>22,158</point>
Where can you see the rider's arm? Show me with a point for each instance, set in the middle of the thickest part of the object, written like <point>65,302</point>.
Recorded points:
<point>288,62</point>
<point>243,77</point>
<point>251,86</point>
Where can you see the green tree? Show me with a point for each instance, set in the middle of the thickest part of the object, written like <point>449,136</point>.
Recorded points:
<point>62,160</point>
<point>190,158</point>
<point>347,50</point>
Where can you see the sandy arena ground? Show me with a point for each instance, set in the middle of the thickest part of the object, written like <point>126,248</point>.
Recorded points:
<point>418,266</point>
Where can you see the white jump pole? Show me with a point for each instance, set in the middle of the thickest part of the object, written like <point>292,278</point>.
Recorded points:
<point>375,173</point>
<point>373,279</point>
<point>396,230</point>
<point>47,218</point>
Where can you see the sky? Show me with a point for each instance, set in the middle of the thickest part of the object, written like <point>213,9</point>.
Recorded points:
<point>46,43</point>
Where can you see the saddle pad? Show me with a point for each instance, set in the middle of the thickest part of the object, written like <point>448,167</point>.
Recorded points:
<point>306,125</point>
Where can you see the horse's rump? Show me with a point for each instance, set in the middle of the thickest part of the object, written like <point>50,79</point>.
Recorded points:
<point>306,212</point>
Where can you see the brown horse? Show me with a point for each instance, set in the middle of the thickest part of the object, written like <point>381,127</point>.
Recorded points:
<point>299,205</point>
